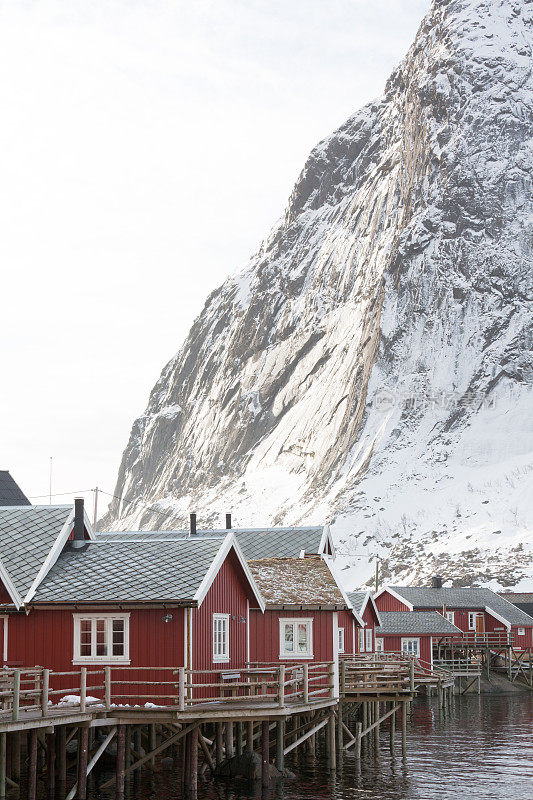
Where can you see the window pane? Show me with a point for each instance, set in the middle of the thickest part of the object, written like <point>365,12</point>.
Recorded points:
<point>303,639</point>
<point>101,644</point>
<point>289,638</point>
<point>85,637</point>
<point>118,637</point>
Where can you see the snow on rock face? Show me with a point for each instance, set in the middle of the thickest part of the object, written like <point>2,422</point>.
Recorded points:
<point>372,365</point>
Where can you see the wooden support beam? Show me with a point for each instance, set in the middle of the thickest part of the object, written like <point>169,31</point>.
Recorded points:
<point>238,737</point>
<point>250,736</point>
<point>3,765</point>
<point>120,762</point>
<point>280,740</point>
<point>265,754</point>
<point>392,730</point>
<point>51,765</point>
<point>404,730</point>
<point>205,750</point>
<point>101,749</point>
<point>83,755</point>
<point>306,735</point>
<point>32,767</point>
<point>219,747</point>
<point>229,740</point>
<point>330,733</point>
<point>192,748</point>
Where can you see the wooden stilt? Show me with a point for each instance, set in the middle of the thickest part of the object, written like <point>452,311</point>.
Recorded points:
<point>127,757</point>
<point>3,765</point>
<point>339,726</point>
<point>193,784</point>
<point>392,729</point>
<point>51,765</point>
<point>265,754</point>
<point>137,746</point>
<point>330,736</point>
<point>376,729</point>
<point>404,730</point>
<point>32,767</point>
<point>280,743</point>
<point>238,738</point>
<point>153,742</point>
<point>250,736</point>
<point>83,753</point>
<point>229,740</point>
<point>15,756</point>
<point>121,760</point>
<point>358,738</point>
<point>61,747</point>
<point>219,745</point>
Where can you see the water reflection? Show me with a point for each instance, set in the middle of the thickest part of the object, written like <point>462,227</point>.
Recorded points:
<point>480,748</point>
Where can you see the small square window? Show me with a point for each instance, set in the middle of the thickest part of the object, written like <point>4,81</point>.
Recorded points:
<point>296,638</point>
<point>101,638</point>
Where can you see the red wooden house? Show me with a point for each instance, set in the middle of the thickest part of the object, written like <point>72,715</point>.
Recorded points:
<point>134,602</point>
<point>413,634</point>
<point>303,604</point>
<point>476,612</point>
<point>366,610</point>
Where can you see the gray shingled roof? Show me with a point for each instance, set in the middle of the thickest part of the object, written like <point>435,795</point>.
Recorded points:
<point>456,597</point>
<point>407,622</point>
<point>27,534</point>
<point>126,571</point>
<point>255,543</point>
<point>10,492</point>
<point>357,599</point>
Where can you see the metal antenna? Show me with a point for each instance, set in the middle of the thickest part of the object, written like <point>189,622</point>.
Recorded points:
<point>50,483</point>
<point>95,515</point>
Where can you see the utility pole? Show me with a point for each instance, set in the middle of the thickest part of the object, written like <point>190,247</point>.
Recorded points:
<point>377,575</point>
<point>50,483</point>
<point>95,513</point>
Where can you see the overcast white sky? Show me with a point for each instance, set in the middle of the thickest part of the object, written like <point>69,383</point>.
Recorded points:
<point>146,147</point>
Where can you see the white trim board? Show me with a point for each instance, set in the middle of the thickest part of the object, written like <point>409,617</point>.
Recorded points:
<point>396,595</point>
<point>10,587</point>
<point>498,617</point>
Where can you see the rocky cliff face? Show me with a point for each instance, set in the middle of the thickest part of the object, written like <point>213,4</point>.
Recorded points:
<point>371,366</point>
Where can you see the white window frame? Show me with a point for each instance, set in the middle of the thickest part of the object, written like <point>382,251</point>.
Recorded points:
<point>361,639</point>
<point>295,621</point>
<point>472,620</point>
<point>5,620</point>
<point>95,659</point>
<point>224,657</point>
<point>408,639</point>
<point>369,640</point>
<point>450,616</point>
<point>342,637</point>
<point>380,644</point>
<point>521,632</point>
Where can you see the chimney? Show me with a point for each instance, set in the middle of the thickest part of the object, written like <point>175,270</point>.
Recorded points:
<point>78,540</point>
<point>192,527</point>
<point>228,522</point>
<point>436,582</point>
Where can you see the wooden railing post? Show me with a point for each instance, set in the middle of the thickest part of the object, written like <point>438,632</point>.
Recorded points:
<point>83,688</point>
<point>181,688</point>
<point>306,682</point>
<point>107,687</point>
<point>343,677</point>
<point>412,675</point>
<point>331,673</point>
<point>44,692</point>
<point>281,685</point>
<point>16,694</point>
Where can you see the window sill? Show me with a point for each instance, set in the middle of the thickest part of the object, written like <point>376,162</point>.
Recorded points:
<point>221,660</point>
<point>104,661</point>
<point>285,657</point>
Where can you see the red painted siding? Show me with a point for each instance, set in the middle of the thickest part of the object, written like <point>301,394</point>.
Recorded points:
<point>349,623</point>
<point>5,597</point>
<point>264,641</point>
<point>386,602</point>
<point>393,644</point>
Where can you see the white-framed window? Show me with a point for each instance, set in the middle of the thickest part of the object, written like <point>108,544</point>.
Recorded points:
<point>220,637</point>
<point>296,638</point>
<point>472,620</point>
<point>450,616</point>
<point>521,631</point>
<point>411,647</point>
<point>361,636</point>
<point>340,631</point>
<point>101,638</point>
<point>379,645</point>
<point>369,646</point>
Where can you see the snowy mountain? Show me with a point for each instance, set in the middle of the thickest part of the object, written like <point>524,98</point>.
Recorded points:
<point>371,366</point>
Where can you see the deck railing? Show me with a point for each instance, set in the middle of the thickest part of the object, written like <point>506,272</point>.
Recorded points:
<point>472,639</point>
<point>44,692</point>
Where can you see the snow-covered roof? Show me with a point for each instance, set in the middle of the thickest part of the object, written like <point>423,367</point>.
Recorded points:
<point>407,622</point>
<point>459,597</point>
<point>297,582</point>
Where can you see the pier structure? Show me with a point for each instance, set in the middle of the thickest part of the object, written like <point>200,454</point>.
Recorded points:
<point>56,727</point>
<point>475,654</point>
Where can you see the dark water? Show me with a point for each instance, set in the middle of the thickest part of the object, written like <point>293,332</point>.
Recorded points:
<point>481,748</point>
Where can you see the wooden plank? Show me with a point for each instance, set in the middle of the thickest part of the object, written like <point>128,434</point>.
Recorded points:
<point>305,736</point>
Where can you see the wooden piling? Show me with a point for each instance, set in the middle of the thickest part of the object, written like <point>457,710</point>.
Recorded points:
<point>238,738</point>
<point>265,754</point>
<point>32,766</point>
<point>358,739</point>
<point>250,736</point>
<point>153,741</point>
<point>15,756</point>
<point>3,765</point>
<point>280,744</point>
<point>83,753</point>
<point>339,725</point>
<point>376,722</point>
<point>404,729</point>
<point>229,740</point>
<point>61,747</point>
<point>330,737</point>
<point>219,743</point>
<point>121,761</point>
<point>193,776</point>
<point>50,765</point>
<point>392,731</point>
